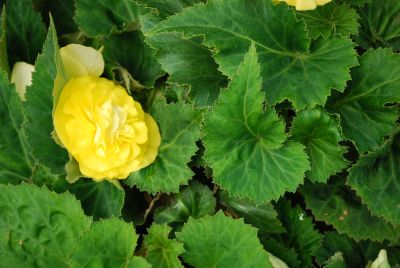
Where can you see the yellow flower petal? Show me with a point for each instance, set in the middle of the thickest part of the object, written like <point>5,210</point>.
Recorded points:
<point>81,60</point>
<point>21,76</point>
<point>322,2</point>
<point>305,5</point>
<point>104,129</point>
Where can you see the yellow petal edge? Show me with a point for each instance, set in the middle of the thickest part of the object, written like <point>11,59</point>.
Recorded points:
<point>303,5</point>
<point>104,129</point>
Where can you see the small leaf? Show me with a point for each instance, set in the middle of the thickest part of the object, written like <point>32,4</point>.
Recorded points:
<point>364,116</point>
<point>101,17</point>
<point>180,129</point>
<point>195,200</point>
<point>219,241</point>
<point>15,163</point>
<point>187,61</point>
<point>38,227</point>
<point>109,243</point>
<point>99,199</point>
<point>330,19</point>
<point>335,204</point>
<point>376,179</point>
<point>131,52</point>
<point>291,66</point>
<point>380,24</point>
<point>320,133</point>
<point>300,232</point>
<point>263,217</point>
<point>258,164</point>
<point>39,107</point>
<point>162,252</point>
<point>25,31</point>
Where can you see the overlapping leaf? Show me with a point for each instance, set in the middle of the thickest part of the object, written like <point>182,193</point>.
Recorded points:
<point>337,205</point>
<point>330,19</point>
<point>320,133</point>
<point>245,147</point>
<point>364,115</point>
<point>38,227</point>
<point>99,199</point>
<point>39,107</point>
<point>187,61</point>
<point>161,251</point>
<point>376,179</point>
<point>108,243</point>
<point>219,241</point>
<point>195,200</point>
<point>25,31</point>
<point>380,24</point>
<point>291,67</point>
<point>180,129</point>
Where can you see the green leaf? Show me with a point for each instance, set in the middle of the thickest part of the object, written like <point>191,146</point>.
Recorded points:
<point>220,241</point>
<point>376,179</point>
<point>15,164</point>
<point>168,8</point>
<point>99,199</point>
<point>63,12</point>
<point>365,118</point>
<point>179,125</point>
<point>280,250</point>
<point>3,43</point>
<point>131,52</point>
<point>101,17</point>
<point>109,243</point>
<point>38,228</point>
<point>380,24</point>
<point>320,133</point>
<point>39,107</point>
<point>330,19</point>
<point>196,200</point>
<point>291,66</point>
<point>336,204</point>
<point>258,164</point>
<point>162,252</point>
<point>300,233</point>
<point>187,61</point>
<point>263,217</point>
<point>25,31</point>
<point>138,262</point>
<point>356,2</point>
<point>336,261</point>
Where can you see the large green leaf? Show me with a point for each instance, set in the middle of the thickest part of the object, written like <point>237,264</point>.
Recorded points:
<point>179,125</point>
<point>3,43</point>
<point>25,31</point>
<point>380,24</point>
<point>101,17</point>
<point>39,107</point>
<point>376,179</point>
<point>249,155</point>
<point>99,199</point>
<point>166,8</point>
<point>15,164</point>
<point>263,217</point>
<point>38,228</point>
<point>291,66</point>
<point>187,61</point>
<point>108,243</point>
<point>131,52</point>
<point>330,19</point>
<point>196,200</point>
<point>365,117</point>
<point>320,133</point>
<point>220,241</point>
<point>162,252</point>
<point>335,204</point>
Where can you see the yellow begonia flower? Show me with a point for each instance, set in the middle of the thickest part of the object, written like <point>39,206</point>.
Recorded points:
<point>21,76</point>
<point>104,129</point>
<point>276,262</point>
<point>381,261</point>
<point>302,5</point>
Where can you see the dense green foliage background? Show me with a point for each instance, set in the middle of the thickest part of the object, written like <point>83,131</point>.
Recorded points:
<point>279,135</point>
